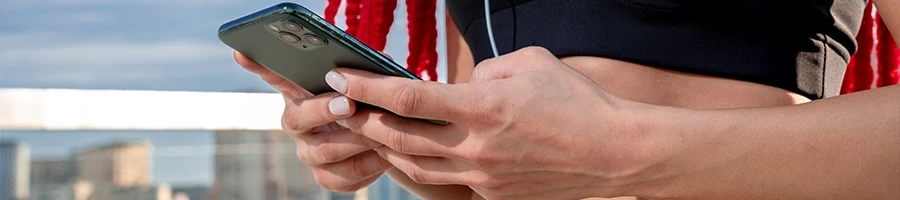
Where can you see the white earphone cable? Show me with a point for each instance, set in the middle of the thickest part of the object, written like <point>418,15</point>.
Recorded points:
<point>487,21</point>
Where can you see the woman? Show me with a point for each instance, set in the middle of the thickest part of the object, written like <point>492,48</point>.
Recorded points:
<point>646,98</point>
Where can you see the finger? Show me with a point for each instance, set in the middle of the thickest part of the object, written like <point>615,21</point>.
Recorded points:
<point>353,173</point>
<point>288,88</point>
<point>249,64</point>
<point>424,169</point>
<point>525,59</point>
<point>304,114</point>
<point>405,97</point>
<point>405,135</point>
<point>332,147</point>
<point>386,55</point>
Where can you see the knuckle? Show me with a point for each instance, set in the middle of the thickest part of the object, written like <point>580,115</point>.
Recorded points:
<point>323,180</point>
<point>327,152</point>
<point>289,120</point>
<point>488,112</point>
<point>358,91</point>
<point>302,154</point>
<point>534,51</point>
<point>398,141</point>
<point>480,157</point>
<point>407,99</point>
<point>357,168</point>
<point>417,176</point>
<point>484,64</point>
<point>335,184</point>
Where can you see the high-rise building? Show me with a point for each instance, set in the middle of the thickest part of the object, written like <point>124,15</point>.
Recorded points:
<point>14,170</point>
<point>119,164</point>
<point>260,165</point>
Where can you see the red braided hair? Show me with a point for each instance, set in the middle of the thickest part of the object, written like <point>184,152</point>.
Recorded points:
<point>371,20</point>
<point>874,41</point>
<point>888,58</point>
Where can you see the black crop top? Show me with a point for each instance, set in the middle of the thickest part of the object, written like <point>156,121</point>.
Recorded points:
<point>798,45</point>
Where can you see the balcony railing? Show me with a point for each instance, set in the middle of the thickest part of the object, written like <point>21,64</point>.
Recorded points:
<point>246,130</point>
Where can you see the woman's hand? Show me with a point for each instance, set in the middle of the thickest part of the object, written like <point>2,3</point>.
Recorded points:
<point>340,159</point>
<point>526,126</point>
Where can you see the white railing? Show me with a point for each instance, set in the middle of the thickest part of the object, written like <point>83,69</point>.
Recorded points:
<point>131,110</point>
<point>65,109</point>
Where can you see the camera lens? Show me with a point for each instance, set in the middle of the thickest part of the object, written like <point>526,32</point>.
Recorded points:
<point>314,40</point>
<point>290,26</point>
<point>289,38</point>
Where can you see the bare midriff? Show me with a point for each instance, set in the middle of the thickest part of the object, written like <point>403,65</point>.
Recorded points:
<point>671,88</point>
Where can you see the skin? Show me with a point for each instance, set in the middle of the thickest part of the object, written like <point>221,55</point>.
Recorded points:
<point>679,136</point>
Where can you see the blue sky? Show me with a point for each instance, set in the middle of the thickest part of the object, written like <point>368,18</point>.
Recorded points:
<point>134,45</point>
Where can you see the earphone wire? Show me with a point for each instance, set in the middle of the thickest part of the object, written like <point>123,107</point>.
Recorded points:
<point>487,21</point>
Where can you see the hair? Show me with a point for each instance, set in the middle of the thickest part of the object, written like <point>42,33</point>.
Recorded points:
<point>371,20</point>
<point>874,41</point>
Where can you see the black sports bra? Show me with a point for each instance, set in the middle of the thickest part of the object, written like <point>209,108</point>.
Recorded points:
<point>799,45</point>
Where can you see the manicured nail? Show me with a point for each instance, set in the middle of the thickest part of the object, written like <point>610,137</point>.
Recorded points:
<point>336,81</point>
<point>339,106</point>
<point>343,123</point>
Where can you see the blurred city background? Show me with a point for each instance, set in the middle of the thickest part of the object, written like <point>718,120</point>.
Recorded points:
<point>146,45</point>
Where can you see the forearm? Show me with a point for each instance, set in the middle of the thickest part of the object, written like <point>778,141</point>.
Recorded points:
<point>845,147</point>
<point>431,192</point>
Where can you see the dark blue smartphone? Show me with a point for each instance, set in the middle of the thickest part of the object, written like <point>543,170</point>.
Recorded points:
<point>300,46</point>
<point>297,44</point>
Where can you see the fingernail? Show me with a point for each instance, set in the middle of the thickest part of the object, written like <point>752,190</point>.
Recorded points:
<point>339,106</point>
<point>336,81</point>
<point>343,123</point>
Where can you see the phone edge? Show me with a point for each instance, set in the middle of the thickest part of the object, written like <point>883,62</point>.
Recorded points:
<point>302,12</point>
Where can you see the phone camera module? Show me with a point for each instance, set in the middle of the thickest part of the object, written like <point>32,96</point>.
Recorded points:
<point>314,40</point>
<point>289,38</point>
<point>290,26</point>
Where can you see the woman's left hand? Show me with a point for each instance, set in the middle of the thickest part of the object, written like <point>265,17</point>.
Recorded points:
<point>525,126</point>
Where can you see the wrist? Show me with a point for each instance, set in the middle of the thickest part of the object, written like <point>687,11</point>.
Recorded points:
<point>673,143</point>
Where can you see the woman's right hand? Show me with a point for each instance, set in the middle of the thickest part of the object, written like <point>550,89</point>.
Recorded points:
<point>340,159</point>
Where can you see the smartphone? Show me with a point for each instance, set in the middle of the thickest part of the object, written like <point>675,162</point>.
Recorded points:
<point>300,46</point>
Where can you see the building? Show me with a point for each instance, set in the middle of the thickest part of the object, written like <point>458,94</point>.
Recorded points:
<point>51,179</point>
<point>51,172</point>
<point>56,191</point>
<point>119,164</point>
<point>14,170</point>
<point>118,170</point>
<point>260,165</point>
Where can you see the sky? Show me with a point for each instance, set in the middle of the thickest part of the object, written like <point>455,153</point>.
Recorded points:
<point>134,45</point>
